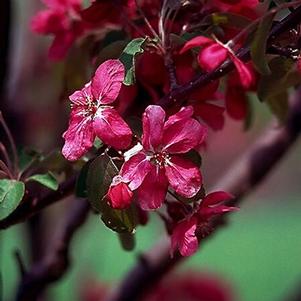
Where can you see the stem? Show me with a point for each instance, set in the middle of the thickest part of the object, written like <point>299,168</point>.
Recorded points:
<point>4,168</point>
<point>147,22</point>
<point>11,142</point>
<point>5,155</point>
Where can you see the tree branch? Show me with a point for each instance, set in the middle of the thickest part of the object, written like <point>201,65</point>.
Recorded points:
<point>53,266</point>
<point>243,177</point>
<point>31,206</point>
<point>178,94</point>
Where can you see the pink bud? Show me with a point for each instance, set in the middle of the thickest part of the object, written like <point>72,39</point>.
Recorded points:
<point>119,194</point>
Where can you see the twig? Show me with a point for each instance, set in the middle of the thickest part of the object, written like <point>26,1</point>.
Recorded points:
<point>53,266</point>
<point>242,179</point>
<point>11,142</point>
<point>31,206</point>
<point>179,94</point>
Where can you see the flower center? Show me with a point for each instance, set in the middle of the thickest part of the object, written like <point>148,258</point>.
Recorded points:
<point>90,107</point>
<point>160,158</point>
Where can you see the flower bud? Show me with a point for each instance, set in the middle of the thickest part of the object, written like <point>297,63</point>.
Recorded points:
<point>119,194</point>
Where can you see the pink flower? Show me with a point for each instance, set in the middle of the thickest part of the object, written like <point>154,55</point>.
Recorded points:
<point>213,54</point>
<point>61,19</point>
<point>156,164</point>
<point>184,236</point>
<point>92,114</point>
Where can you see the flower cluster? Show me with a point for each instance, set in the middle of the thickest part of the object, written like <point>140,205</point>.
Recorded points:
<point>156,164</point>
<point>157,168</point>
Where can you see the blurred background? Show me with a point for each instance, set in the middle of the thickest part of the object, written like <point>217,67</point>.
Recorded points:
<point>256,257</point>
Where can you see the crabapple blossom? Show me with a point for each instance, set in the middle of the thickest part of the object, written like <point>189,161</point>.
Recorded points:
<point>61,19</point>
<point>214,53</point>
<point>157,163</point>
<point>93,115</point>
<point>184,236</point>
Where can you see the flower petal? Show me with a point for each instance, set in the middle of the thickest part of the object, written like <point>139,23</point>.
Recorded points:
<point>79,136</point>
<point>183,237</point>
<point>183,176</point>
<point>182,133</point>
<point>212,114</point>
<point>205,213</point>
<point>80,97</point>
<point>135,170</point>
<point>236,102</point>
<point>119,194</point>
<point>199,41</point>
<point>212,56</point>
<point>216,197</point>
<point>49,22</point>
<point>152,192</point>
<point>247,77</point>
<point>153,123</point>
<point>61,45</point>
<point>107,81</point>
<point>111,128</point>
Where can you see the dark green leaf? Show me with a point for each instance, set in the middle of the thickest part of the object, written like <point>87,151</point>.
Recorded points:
<point>128,58</point>
<point>112,51</point>
<point>229,19</point>
<point>250,115</point>
<point>121,221</point>
<point>273,88</point>
<point>279,80</point>
<point>100,174</point>
<point>258,47</point>
<point>48,180</point>
<point>194,157</point>
<point>11,194</point>
<point>278,104</point>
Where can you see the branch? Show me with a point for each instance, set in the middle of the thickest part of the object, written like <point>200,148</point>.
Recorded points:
<point>31,206</point>
<point>243,177</point>
<point>178,94</point>
<point>53,266</point>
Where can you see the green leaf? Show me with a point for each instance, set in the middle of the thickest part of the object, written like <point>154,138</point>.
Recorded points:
<point>120,221</point>
<point>99,177</point>
<point>101,171</point>
<point>273,88</point>
<point>48,180</point>
<point>128,58</point>
<point>278,105</point>
<point>258,47</point>
<point>230,19</point>
<point>279,80</point>
<point>249,120</point>
<point>11,194</point>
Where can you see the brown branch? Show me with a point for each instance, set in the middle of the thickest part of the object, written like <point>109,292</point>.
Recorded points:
<point>31,206</point>
<point>179,94</point>
<point>53,266</point>
<point>243,177</point>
